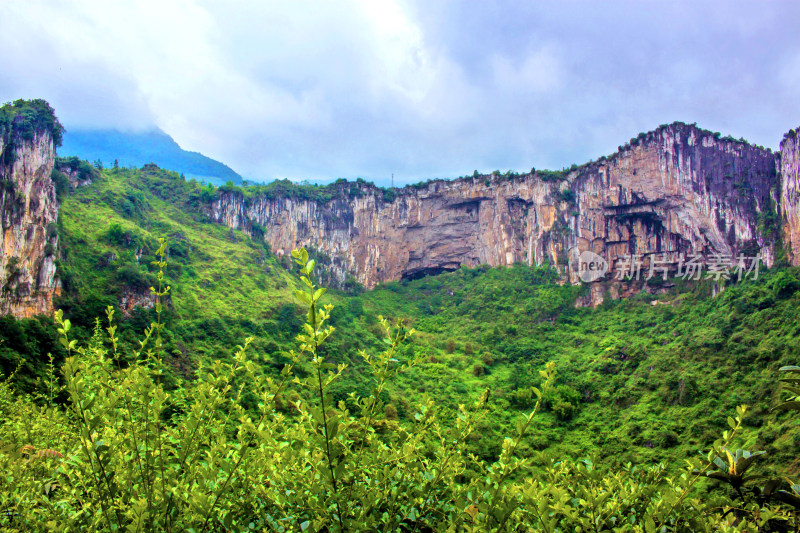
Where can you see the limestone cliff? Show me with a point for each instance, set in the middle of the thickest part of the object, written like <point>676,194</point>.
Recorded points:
<point>677,189</point>
<point>790,194</point>
<point>29,209</point>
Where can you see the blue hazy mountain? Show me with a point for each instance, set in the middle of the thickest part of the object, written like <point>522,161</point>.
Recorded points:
<point>134,149</point>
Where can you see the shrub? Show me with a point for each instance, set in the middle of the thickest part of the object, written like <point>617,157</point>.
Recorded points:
<point>61,183</point>
<point>450,346</point>
<point>130,275</point>
<point>566,196</point>
<point>522,398</point>
<point>785,285</point>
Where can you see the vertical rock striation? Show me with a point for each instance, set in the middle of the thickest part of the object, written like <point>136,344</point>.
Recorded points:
<point>29,210</point>
<point>675,190</point>
<point>790,195</point>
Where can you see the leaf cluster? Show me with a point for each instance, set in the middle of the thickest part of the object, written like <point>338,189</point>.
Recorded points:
<point>25,118</point>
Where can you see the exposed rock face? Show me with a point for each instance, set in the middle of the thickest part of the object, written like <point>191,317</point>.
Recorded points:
<point>790,195</point>
<point>675,190</point>
<point>79,172</point>
<point>76,179</point>
<point>29,210</point>
<point>678,190</point>
<point>130,299</point>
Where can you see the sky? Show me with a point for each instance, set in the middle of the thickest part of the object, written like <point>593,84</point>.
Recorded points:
<point>421,89</point>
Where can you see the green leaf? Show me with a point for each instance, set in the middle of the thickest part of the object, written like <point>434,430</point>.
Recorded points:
<point>794,390</point>
<point>787,406</point>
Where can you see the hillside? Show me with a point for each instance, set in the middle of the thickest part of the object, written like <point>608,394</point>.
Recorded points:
<point>643,380</point>
<point>219,397</point>
<point>134,149</point>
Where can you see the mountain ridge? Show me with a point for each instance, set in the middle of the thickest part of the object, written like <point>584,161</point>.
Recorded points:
<point>135,149</point>
<point>676,189</point>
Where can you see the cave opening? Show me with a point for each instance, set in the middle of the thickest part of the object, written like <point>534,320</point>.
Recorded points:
<point>422,272</point>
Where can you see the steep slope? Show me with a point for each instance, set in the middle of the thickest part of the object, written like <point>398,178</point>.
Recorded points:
<point>676,190</point>
<point>29,133</point>
<point>134,149</point>
<point>790,194</point>
<point>225,286</point>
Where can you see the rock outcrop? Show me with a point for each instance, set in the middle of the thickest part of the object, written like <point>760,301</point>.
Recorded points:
<point>131,298</point>
<point>29,210</point>
<point>675,190</point>
<point>790,195</point>
<point>79,172</point>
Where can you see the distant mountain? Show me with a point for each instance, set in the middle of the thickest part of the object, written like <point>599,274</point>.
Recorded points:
<point>134,149</point>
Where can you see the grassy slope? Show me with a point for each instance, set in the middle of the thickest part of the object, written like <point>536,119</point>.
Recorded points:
<point>221,286</point>
<point>638,382</point>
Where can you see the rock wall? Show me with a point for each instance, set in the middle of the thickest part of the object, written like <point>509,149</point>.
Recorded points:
<point>29,210</point>
<point>675,190</point>
<point>790,195</point>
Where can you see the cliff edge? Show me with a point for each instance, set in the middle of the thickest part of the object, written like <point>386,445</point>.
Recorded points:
<point>790,195</point>
<point>29,134</point>
<point>675,190</point>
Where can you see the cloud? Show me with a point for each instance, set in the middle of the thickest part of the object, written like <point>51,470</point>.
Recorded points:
<point>42,59</point>
<point>309,89</point>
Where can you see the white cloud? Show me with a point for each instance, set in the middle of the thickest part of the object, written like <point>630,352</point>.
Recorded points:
<point>539,72</point>
<point>369,87</point>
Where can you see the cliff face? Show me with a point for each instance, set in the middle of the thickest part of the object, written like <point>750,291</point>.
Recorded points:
<point>790,195</point>
<point>29,210</point>
<point>675,190</point>
<point>678,190</point>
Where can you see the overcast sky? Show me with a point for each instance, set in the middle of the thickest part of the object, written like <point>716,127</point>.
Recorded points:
<point>313,89</point>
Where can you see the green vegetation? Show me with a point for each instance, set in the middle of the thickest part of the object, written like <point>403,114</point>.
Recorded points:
<point>225,285</point>
<point>769,223</point>
<point>82,169</point>
<point>24,118</point>
<point>551,175</point>
<point>242,447</point>
<point>309,191</point>
<point>566,195</point>
<point>637,368</point>
<point>645,383</point>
